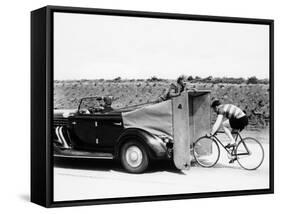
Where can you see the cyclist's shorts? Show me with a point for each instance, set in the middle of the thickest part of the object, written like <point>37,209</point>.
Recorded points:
<point>239,123</point>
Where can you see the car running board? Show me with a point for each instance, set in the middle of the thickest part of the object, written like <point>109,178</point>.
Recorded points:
<point>83,154</point>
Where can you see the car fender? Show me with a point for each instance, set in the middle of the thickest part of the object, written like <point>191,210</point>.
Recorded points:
<point>154,145</point>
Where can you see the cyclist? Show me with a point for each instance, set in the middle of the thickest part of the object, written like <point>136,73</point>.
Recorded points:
<point>236,119</point>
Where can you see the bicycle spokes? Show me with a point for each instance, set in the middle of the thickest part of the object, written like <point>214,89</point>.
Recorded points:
<point>250,153</point>
<point>206,152</point>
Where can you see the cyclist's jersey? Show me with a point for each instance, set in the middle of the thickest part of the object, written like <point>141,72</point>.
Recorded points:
<point>230,111</point>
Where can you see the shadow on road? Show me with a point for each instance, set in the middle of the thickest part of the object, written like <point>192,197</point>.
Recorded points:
<point>87,164</point>
<point>229,166</point>
<point>107,165</point>
<point>164,165</point>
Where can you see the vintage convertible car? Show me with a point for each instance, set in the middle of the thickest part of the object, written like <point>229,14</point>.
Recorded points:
<point>134,135</point>
<point>93,131</point>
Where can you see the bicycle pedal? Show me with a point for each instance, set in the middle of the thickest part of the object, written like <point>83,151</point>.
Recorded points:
<point>232,160</point>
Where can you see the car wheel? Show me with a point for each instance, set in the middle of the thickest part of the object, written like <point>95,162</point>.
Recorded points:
<point>134,157</point>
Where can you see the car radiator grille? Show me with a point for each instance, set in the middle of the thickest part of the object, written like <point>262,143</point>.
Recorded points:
<point>60,121</point>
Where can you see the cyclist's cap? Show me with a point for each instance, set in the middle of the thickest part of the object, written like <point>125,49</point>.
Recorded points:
<point>215,103</point>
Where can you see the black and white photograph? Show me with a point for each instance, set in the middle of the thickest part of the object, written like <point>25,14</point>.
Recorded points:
<point>146,106</point>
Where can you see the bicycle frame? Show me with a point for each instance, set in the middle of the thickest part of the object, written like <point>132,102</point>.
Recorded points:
<point>231,151</point>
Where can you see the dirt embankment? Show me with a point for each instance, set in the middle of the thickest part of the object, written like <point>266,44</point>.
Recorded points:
<point>253,98</point>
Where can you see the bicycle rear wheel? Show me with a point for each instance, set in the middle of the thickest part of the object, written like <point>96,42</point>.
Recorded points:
<point>206,152</point>
<point>249,153</point>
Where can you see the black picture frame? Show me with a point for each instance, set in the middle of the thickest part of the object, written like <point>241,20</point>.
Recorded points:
<point>42,104</point>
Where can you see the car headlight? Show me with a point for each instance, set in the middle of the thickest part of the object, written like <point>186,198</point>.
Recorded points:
<point>166,139</point>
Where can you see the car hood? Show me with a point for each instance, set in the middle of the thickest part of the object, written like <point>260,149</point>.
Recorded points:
<point>64,112</point>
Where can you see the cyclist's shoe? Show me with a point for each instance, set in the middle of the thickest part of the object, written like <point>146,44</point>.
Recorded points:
<point>233,159</point>
<point>228,146</point>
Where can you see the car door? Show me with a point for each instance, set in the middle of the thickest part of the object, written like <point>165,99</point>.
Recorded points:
<point>84,130</point>
<point>109,128</point>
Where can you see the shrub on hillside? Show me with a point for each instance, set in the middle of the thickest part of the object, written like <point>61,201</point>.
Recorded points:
<point>252,80</point>
<point>154,79</point>
<point>117,79</point>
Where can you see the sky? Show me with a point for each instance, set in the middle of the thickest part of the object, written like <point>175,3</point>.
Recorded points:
<point>106,47</point>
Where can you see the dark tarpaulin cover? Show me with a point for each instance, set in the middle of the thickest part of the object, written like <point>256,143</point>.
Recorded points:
<point>155,118</point>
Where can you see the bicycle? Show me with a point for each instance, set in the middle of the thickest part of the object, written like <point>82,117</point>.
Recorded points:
<point>248,152</point>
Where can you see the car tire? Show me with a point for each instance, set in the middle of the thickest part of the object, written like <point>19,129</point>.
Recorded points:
<point>134,157</point>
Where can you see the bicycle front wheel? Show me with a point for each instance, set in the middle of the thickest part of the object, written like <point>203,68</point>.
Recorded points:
<point>206,152</point>
<point>249,153</point>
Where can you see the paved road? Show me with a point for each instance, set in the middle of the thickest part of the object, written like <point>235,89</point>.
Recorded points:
<point>84,179</point>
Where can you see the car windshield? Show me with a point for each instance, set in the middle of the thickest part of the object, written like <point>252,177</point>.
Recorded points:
<point>91,104</point>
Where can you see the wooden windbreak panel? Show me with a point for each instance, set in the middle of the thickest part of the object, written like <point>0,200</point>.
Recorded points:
<point>200,115</point>
<point>191,120</point>
<point>181,136</point>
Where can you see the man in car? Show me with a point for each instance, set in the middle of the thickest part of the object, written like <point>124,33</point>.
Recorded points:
<point>168,94</point>
<point>234,117</point>
<point>175,89</point>
<point>107,104</point>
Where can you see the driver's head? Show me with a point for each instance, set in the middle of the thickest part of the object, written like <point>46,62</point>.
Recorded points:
<point>215,105</point>
<point>107,101</point>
